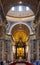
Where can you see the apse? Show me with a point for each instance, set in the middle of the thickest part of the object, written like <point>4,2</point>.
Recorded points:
<point>20,31</point>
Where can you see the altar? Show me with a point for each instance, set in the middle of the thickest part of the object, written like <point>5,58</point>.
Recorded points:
<point>20,50</point>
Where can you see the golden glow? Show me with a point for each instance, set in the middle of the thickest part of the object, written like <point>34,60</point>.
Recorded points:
<point>20,31</point>
<point>20,34</point>
<point>20,51</point>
